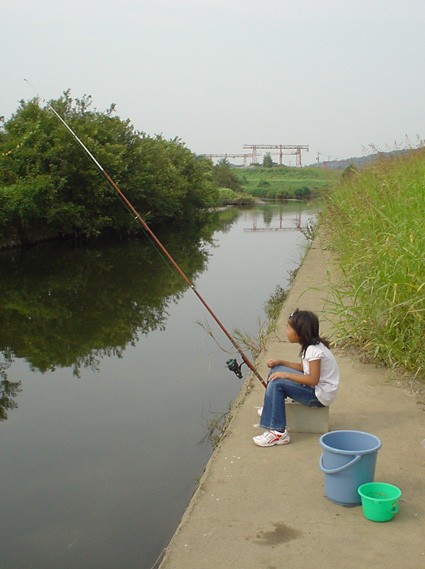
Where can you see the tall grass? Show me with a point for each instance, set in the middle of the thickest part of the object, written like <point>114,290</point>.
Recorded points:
<point>375,221</point>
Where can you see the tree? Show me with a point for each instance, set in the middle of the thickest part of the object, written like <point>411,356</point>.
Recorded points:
<point>171,182</point>
<point>267,160</point>
<point>49,186</point>
<point>224,177</point>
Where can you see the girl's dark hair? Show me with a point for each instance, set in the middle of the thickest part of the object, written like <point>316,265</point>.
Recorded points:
<point>306,325</point>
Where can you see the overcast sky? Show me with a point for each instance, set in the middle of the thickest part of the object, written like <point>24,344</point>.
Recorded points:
<point>336,75</point>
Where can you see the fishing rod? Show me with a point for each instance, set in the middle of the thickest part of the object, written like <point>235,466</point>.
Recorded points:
<point>232,364</point>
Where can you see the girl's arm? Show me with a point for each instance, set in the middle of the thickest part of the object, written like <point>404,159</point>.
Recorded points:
<point>293,365</point>
<point>305,379</point>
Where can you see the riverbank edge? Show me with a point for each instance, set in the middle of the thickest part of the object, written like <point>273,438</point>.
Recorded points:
<point>245,390</point>
<point>227,504</point>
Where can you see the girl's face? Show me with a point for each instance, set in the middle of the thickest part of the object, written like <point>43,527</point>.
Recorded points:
<point>292,335</point>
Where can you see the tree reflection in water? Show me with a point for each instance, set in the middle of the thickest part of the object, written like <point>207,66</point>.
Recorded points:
<point>66,305</point>
<point>8,389</point>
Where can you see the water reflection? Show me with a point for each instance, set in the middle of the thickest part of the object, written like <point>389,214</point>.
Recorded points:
<point>283,223</point>
<point>65,305</point>
<point>8,390</point>
<point>68,306</point>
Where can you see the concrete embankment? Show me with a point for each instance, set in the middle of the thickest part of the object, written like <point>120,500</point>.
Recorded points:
<point>265,507</point>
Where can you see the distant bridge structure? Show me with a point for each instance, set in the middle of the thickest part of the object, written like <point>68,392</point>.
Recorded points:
<point>245,156</point>
<point>281,147</point>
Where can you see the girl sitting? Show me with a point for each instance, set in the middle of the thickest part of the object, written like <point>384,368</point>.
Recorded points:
<point>312,382</point>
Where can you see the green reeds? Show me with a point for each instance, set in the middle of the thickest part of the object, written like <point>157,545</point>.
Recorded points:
<point>375,222</point>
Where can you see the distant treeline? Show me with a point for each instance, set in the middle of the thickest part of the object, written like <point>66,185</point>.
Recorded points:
<point>363,161</point>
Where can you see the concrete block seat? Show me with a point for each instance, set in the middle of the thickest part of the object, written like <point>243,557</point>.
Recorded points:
<point>303,419</point>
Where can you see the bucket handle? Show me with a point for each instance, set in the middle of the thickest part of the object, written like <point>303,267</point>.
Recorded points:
<point>340,468</point>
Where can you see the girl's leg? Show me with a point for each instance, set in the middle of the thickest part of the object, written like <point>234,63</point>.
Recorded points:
<point>274,414</point>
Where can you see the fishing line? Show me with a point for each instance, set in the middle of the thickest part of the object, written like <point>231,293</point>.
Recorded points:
<point>232,364</point>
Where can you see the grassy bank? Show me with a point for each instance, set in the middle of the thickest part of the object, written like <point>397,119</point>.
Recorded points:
<point>375,223</point>
<point>282,182</point>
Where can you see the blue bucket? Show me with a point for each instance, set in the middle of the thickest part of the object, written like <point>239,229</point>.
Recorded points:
<point>348,461</point>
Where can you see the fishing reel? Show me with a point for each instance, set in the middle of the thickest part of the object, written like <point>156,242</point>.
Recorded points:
<point>233,365</point>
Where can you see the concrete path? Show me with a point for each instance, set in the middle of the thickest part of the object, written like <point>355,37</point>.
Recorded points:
<point>264,508</point>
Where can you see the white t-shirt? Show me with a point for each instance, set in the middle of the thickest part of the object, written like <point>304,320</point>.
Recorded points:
<point>329,373</point>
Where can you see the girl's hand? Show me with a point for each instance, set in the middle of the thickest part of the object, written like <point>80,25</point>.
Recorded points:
<point>277,375</point>
<point>272,363</point>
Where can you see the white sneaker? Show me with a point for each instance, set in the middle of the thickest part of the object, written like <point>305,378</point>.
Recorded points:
<point>271,438</point>
<point>260,411</point>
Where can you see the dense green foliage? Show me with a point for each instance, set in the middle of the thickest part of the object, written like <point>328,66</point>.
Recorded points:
<point>49,186</point>
<point>224,176</point>
<point>230,191</point>
<point>282,182</point>
<point>230,197</point>
<point>375,222</point>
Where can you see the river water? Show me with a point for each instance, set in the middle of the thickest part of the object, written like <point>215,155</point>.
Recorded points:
<point>110,380</point>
